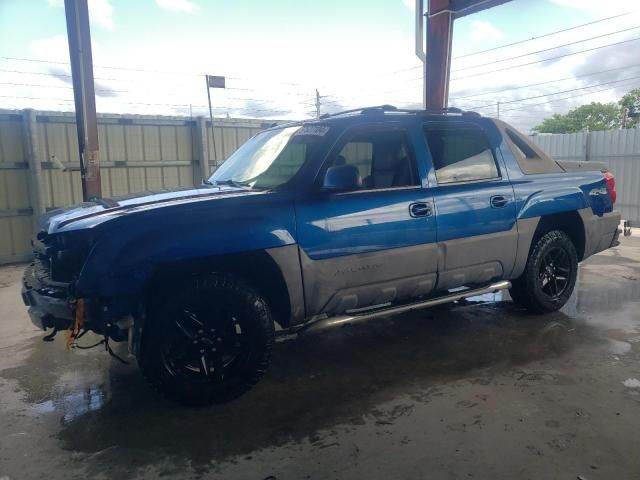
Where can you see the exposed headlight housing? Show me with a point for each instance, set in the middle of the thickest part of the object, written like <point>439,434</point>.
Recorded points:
<point>68,253</point>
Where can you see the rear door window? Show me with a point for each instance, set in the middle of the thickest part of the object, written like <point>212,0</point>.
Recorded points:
<point>460,153</point>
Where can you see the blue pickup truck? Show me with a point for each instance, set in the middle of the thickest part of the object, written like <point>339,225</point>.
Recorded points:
<point>314,224</point>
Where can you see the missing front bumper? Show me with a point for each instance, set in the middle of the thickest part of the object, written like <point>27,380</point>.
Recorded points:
<point>47,301</point>
<point>47,312</point>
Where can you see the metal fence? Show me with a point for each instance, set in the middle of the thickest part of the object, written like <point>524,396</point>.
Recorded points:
<point>137,153</point>
<point>618,149</point>
<point>140,153</point>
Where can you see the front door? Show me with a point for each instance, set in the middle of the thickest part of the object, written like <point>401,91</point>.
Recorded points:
<point>373,245</point>
<point>475,205</point>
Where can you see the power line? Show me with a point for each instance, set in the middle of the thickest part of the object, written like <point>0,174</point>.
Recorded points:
<point>562,91</point>
<point>141,70</point>
<point>519,42</point>
<point>528,105</point>
<point>545,83</point>
<point>175,105</point>
<point>337,101</point>
<point>546,49</point>
<point>246,99</point>
<point>535,62</point>
<point>542,36</point>
<point>64,75</point>
<point>68,87</point>
<point>545,60</point>
<point>49,74</point>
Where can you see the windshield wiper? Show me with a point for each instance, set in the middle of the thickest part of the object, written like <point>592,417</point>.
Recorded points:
<point>231,182</point>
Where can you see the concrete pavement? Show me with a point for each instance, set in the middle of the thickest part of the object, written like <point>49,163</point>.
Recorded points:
<point>479,389</point>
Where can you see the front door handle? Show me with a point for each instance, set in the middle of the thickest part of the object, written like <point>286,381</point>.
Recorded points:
<point>420,209</point>
<point>499,201</point>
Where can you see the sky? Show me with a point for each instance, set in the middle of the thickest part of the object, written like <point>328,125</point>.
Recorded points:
<point>150,56</point>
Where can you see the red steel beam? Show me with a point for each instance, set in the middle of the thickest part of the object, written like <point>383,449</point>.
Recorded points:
<point>440,17</point>
<point>438,58</point>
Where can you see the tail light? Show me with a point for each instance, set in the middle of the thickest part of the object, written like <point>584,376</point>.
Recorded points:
<point>611,184</point>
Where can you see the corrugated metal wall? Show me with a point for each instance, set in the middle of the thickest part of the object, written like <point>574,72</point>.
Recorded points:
<point>618,149</point>
<point>15,205</point>
<point>141,153</point>
<point>134,157</point>
<point>137,153</point>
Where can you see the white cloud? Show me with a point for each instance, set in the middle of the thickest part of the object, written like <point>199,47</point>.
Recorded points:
<point>346,74</point>
<point>597,6</point>
<point>100,12</point>
<point>410,4</point>
<point>481,30</point>
<point>53,48</point>
<point>186,6</point>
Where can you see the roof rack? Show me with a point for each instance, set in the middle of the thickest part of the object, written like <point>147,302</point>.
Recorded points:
<point>377,108</point>
<point>392,108</point>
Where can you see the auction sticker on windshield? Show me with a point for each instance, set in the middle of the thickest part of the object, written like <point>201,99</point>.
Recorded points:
<point>316,130</point>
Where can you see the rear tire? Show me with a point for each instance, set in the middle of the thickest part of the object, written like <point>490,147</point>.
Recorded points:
<point>550,275</point>
<point>207,342</point>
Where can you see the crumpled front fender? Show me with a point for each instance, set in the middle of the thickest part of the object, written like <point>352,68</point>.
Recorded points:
<point>133,246</point>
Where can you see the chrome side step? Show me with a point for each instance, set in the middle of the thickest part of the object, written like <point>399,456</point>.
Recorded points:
<point>331,322</point>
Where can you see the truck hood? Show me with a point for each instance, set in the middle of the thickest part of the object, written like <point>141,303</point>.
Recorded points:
<point>89,214</point>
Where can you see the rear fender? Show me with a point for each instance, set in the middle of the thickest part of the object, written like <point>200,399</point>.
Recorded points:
<point>548,202</point>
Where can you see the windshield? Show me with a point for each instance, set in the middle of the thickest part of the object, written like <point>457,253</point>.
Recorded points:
<point>271,158</point>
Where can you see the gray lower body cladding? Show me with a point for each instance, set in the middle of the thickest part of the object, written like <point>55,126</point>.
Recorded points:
<point>401,275</point>
<point>601,232</point>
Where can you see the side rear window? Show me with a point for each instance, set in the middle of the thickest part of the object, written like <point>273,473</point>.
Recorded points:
<point>530,158</point>
<point>460,153</point>
<point>522,147</point>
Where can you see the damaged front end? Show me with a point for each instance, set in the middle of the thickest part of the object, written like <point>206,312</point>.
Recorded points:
<point>49,290</point>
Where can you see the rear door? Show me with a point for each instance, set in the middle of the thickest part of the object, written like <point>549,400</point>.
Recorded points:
<point>475,205</point>
<point>375,244</point>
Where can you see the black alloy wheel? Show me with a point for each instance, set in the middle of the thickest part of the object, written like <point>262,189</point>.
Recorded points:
<point>555,271</point>
<point>205,344</point>
<point>208,342</point>
<point>550,273</point>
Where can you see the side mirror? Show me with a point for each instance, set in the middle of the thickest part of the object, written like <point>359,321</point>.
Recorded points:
<point>342,178</point>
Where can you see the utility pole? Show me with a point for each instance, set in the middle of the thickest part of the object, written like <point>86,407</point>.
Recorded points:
<point>498,109</point>
<point>79,37</point>
<point>625,116</point>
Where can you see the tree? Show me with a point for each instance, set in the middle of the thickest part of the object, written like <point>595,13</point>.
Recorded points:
<point>631,101</point>
<point>592,117</point>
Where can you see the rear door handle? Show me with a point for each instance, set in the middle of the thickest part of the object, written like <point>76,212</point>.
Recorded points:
<point>420,209</point>
<point>499,201</point>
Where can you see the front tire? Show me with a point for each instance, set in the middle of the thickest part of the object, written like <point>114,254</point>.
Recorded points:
<point>550,274</point>
<point>207,342</point>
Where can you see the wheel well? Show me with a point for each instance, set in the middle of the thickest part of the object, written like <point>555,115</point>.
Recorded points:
<point>256,268</point>
<point>569,222</point>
